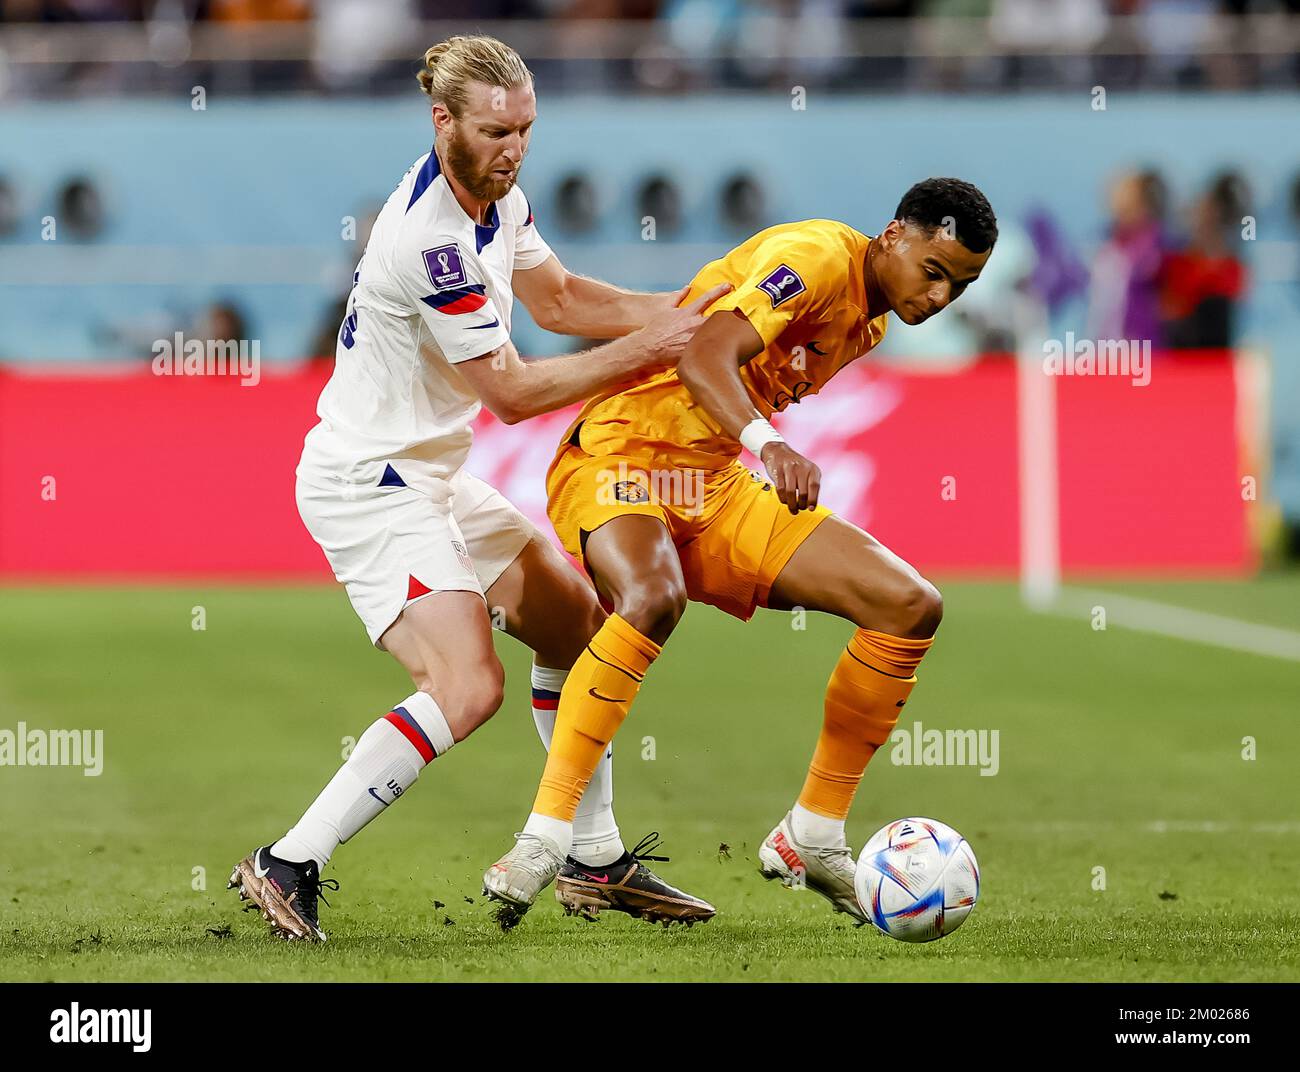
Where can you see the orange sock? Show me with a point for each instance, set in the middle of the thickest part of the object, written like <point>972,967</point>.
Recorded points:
<point>867,690</point>
<point>593,703</point>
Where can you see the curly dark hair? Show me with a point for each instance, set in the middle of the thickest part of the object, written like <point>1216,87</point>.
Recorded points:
<point>931,202</point>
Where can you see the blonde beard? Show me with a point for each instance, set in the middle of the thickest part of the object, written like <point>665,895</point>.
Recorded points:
<point>480,186</point>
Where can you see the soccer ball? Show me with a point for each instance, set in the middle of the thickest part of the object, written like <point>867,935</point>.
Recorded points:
<point>917,880</point>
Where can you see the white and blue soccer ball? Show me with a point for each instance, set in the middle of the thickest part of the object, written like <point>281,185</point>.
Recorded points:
<point>917,880</point>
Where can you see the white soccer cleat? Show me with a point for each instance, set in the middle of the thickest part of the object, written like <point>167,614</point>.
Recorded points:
<point>522,873</point>
<point>828,869</point>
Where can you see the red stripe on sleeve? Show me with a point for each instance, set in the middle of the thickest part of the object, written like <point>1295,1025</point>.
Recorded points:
<point>467,304</point>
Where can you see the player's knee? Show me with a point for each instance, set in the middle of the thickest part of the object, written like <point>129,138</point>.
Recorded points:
<point>471,700</point>
<point>654,607</point>
<point>475,705</point>
<point>903,603</point>
<point>920,609</point>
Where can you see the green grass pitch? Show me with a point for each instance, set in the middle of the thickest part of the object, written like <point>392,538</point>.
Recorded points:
<point>1118,750</point>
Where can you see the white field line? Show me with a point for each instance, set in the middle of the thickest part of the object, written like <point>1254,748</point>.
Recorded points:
<point>1199,627</point>
<point>1162,826</point>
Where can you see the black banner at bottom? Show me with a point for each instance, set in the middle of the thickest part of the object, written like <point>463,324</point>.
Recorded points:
<point>180,1019</point>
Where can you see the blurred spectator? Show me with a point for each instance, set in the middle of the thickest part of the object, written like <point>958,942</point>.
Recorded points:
<point>340,286</point>
<point>783,42</point>
<point>325,342</point>
<point>73,10</point>
<point>894,9</point>
<point>598,9</point>
<point>221,322</point>
<point>252,11</point>
<point>1058,275</point>
<point>80,208</point>
<point>355,37</point>
<point>479,9</point>
<point>1123,296</point>
<point>1044,39</point>
<point>1202,284</point>
<point>1176,33</point>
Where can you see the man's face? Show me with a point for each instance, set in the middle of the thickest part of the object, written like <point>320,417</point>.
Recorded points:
<point>485,147</point>
<point>921,274</point>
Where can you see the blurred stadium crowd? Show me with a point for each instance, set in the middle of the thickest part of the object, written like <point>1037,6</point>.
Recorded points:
<point>1093,11</point>
<point>673,46</point>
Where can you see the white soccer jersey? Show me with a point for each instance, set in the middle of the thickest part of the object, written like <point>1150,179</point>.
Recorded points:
<point>431,290</point>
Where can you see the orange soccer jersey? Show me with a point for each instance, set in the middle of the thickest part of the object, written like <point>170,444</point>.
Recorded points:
<point>651,449</point>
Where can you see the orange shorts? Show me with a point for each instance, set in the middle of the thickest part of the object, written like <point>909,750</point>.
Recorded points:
<point>733,534</point>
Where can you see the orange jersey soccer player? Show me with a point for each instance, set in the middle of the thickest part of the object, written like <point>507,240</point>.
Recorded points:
<point>648,491</point>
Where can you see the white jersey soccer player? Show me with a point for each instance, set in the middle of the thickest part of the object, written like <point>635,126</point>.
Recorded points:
<point>421,546</point>
<point>381,483</point>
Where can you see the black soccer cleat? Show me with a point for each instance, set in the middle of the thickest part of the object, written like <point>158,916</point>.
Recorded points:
<point>285,892</point>
<point>627,885</point>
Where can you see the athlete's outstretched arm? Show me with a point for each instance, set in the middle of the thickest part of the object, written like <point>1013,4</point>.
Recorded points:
<point>710,370</point>
<point>569,304</point>
<point>515,389</point>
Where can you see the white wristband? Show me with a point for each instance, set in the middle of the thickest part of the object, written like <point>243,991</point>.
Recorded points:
<point>756,435</point>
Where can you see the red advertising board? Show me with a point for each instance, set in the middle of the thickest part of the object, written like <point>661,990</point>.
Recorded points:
<point>136,476</point>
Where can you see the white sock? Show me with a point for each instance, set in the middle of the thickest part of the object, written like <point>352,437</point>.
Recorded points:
<point>809,828</point>
<point>554,830</point>
<point>596,840</point>
<point>383,765</point>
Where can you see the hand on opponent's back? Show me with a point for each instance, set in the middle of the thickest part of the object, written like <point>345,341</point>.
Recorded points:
<point>666,336</point>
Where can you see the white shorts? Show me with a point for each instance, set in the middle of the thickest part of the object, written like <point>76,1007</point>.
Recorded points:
<point>392,545</point>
